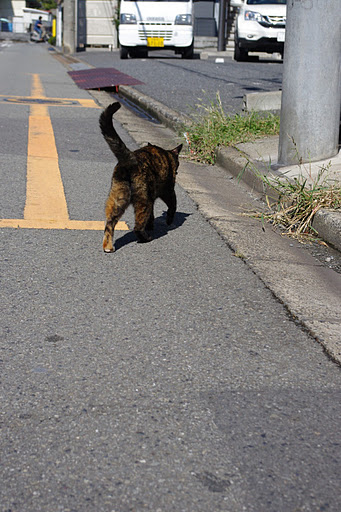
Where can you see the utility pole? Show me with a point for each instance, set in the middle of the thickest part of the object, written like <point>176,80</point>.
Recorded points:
<point>221,28</point>
<point>310,111</point>
<point>69,43</point>
<point>59,24</point>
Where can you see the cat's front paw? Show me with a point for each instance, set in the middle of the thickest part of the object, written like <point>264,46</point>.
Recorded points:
<point>107,244</point>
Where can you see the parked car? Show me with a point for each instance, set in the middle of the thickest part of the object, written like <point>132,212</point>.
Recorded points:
<point>260,27</point>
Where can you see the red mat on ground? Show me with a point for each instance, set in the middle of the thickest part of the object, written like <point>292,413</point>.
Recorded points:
<point>100,78</point>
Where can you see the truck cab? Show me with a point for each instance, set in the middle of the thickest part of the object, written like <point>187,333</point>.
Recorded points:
<point>147,25</point>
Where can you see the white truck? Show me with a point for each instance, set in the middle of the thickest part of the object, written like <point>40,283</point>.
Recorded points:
<point>153,25</point>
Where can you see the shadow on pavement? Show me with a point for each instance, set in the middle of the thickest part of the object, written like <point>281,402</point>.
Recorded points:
<point>160,229</point>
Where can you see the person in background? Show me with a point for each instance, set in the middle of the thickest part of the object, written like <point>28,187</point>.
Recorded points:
<point>38,27</point>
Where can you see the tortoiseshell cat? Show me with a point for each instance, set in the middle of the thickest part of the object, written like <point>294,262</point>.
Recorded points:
<point>139,178</point>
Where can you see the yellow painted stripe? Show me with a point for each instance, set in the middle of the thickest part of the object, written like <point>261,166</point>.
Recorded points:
<point>41,141</point>
<point>89,225</point>
<point>37,87</point>
<point>45,198</point>
<point>87,103</point>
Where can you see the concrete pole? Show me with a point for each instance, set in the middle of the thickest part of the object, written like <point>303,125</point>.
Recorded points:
<point>69,39</point>
<point>59,26</point>
<point>311,97</point>
<point>221,28</point>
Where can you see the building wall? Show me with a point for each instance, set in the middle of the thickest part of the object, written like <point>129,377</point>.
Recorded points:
<point>206,18</point>
<point>95,23</point>
<point>10,8</point>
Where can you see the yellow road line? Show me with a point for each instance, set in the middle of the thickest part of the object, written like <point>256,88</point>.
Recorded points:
<point>51,224</point>
<point>81,225</point>
<point>45,206</point>
<point>45,198</point>
<point>37,87</point>
<point>88,225</point>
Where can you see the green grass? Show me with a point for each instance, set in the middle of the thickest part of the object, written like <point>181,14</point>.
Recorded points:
<point>212,128</point>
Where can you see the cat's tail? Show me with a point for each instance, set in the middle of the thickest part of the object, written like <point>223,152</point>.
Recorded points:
<point>116,144</point>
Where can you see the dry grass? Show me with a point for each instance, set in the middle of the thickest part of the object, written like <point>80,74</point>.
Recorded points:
<point>299,200</point>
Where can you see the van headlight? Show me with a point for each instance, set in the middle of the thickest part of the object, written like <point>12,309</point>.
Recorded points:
<point>253,16</point>
<point>128,19</point>
<point>183,19</point>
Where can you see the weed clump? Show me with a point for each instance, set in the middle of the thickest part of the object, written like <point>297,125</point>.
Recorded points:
<point>213,128</point>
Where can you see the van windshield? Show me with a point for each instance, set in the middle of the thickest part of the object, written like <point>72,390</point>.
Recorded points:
<point>266,2</point>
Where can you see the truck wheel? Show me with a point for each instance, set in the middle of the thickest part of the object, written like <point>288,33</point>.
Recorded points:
<point>124,52</point>
<point>188,52</point>
<point>134,53</point>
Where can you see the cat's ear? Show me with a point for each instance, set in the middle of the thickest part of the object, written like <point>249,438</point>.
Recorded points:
<point>177,150</point>
<point>149,144</point>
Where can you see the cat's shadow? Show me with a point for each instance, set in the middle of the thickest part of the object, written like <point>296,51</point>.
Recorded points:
<point>160,229</point>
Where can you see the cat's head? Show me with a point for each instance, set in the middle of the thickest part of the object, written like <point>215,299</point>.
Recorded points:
<point>176,152</point>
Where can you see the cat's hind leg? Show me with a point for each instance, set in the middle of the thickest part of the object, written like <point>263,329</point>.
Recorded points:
<point>144,219</point>
<point>170,200</point>
<point>117,202</point>
<point>150,223</point>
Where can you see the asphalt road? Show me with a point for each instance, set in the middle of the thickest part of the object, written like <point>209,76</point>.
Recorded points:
<point>184,84</point>
<point>165,377</point>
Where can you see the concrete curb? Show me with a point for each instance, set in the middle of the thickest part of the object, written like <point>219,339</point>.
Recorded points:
<point>263,101</point>
<point>156,109</point>
<point>328,225</point>
<point>241,167</point>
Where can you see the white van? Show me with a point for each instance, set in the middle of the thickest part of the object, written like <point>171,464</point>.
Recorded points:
<point>260,27</point>
<point>153,25</point>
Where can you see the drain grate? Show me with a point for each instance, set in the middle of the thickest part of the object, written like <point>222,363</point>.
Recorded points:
<point>100,78</point>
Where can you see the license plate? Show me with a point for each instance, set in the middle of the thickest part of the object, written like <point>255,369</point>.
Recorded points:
<point>281,37</point>
<point>155,41</point>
